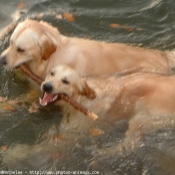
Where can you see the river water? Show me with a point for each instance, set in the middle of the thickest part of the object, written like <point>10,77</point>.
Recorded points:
<point>41,141</point>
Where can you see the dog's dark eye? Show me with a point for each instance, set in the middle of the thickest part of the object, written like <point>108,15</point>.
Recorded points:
<point>65,81</point>
<point>52,73</point>
<point>20,50</point>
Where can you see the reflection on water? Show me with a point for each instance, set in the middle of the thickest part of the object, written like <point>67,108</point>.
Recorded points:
<point>42,156</point>
<point>60,139</point>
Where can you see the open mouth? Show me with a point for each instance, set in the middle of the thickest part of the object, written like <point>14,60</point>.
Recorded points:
<point>48,98</point>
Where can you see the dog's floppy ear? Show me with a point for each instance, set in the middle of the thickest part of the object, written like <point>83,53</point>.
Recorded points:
<point>47,47</point>
<point>87,91</point>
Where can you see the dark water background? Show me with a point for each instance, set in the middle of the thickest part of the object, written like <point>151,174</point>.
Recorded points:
<point>145,23</point>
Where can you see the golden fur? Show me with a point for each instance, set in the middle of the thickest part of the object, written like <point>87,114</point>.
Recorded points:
<point>114,94</point>
<point>145,99</point>
<point>42,47</point>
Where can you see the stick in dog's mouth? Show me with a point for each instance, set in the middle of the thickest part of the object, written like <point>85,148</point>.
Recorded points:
<point>47,98</point>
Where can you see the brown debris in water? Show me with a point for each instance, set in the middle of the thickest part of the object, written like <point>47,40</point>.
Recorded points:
<point>12,102</point>
<point>69,17</point>
<point>20,5</point>
<point>96,131</point>
<point>8,107</point>
<point>34,108</point>
<point>3,148</point>
<point>3,99</point>
<point>114,25</point>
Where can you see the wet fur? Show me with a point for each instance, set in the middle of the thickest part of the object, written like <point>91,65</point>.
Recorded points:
<point>44,48</point>
<point>145,99</point>
<point>122,94</point>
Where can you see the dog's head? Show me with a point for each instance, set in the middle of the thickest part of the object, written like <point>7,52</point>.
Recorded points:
<point>29,41</point>
<point>64,80</point>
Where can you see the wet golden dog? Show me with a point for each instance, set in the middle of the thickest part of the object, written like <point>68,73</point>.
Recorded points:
<point>113,94</point>
<point>146,99</point>
<point>42,47</point>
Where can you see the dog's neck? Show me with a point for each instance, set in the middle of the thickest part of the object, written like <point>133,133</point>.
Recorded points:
<point>105,90</point>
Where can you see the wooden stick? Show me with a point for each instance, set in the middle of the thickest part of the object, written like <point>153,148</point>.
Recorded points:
<point>78,106</point>
<point>64,97</point>
<point>34,77</point>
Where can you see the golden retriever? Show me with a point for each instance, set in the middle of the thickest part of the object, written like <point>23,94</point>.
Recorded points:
<point>119,95</point>
<point>42,47</point>
<point>146,99</point>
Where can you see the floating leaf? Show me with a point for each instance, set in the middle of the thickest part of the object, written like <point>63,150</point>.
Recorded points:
<point>127,28</point>
<point>139,29</point>
<point>8,107</point>
<point>20,5</point>
<point>34,108</point>
<point>69,17</point>
<point>3,148</point>
<point>12,102</point>
<point>2,99</point>
<point>59,16</point>
<point>114,25</point>
<point>59,137</point>
<point>96,131</point>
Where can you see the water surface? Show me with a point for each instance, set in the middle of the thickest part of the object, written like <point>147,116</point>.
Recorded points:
<point>45,140</point>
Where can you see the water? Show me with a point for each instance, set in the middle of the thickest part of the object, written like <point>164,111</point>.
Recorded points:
<point>57,139</point>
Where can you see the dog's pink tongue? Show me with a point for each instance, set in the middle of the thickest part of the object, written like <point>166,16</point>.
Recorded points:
<point>47,98</point>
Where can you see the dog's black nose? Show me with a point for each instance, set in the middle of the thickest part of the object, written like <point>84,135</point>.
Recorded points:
<point>47,87</point>
<point>3,60</point>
